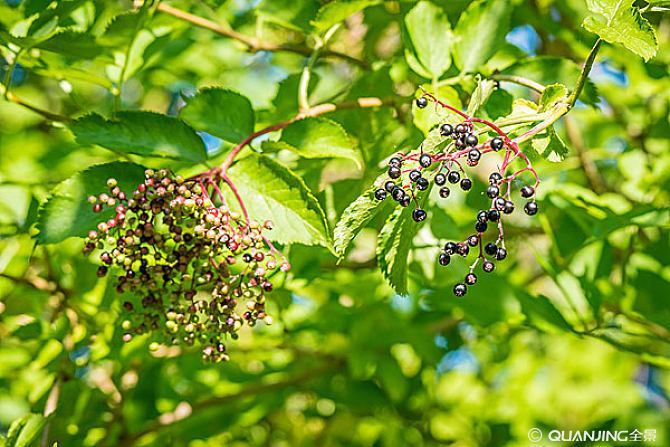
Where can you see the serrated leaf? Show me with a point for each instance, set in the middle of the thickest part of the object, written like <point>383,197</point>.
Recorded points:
<point>274,192</point>
<point>337,11</point>
<point>499,104</point>
<point>223,113</point>
<point>550,146</point>
<point>141,133</point>
<point>393,245</point>
<point>551,95</point>
<point>480,95</point>
<point>480,33</point>
<point>541,310</point>
<point>619,22</point>
<point>429,39</point>
<point>67,213</point>
<point>550,70</point>
<point>317,138</point>
<point>355,217</point>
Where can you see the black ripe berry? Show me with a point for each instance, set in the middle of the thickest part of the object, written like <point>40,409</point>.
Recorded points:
<point>444,192</point>
<point>494,178</point>
<point>461,129</point>
<point>482,216</point>
<point>488,266</point>
<point>473,240</point>
<point>422,184</point>
<point>470,279</point>
<point>471,140</point>
<point>450,248</point>
<point>460,289</point>
<point>463,250</point>
<point>509,207</point>
<point>501,254</point>
<point>418,215</point>
<point>397,193</point>
<point>494,215</point>
<point>466,184</point>
<point>527,191</point>
<point>440,179</point>
<point>394,172</point>
<point>459,143</point>
<point>496,143</point>
<point>492,191</point>
<point>446,130</point>
<point>425,160</point>
<point>474,155</point>
<point>388,186</point>
<point>395,161</point>
<point>454,177</point>
<point>500,203</point>
<point>405,200</point>
<point>491,249</point>
<point>102,270</point>
<point>530,208</point>
<point>380,194</point>
<point>444,259</point>
<point>421,102</point>
<point>481,226</point>
<point>414,175</point>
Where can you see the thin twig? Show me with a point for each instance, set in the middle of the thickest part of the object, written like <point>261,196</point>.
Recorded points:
<point>253,44</point>
<point>593,176</point>
<point>529,83</point>
<point>249,391</point>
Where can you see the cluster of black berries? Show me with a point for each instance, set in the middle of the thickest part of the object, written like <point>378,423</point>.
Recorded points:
<point>411,173</point>
<point>191,272</point>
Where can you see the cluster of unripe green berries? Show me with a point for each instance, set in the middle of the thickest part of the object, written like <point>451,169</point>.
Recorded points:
<point>411,174</point>
<point>190,272</point>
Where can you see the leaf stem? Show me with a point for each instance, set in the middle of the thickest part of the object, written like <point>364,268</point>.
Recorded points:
<point>525,82</point>
<point>583,76</point>
<point>11,97</point>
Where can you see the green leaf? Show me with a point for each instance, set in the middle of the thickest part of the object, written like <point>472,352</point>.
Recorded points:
<point>550,146</point>
<point>355,217</point>
<point>71,43</point>
<point>337,11</point>
<point>141,133</point>
<point>551,95</point>
<point>550,70</point>
<point>427,118</point>
<point>25,431</point>
<point>291,14</point>
<point>429,40</point>
<point>499,104</point>
<point>317,138</point>
<point>540,310</point>
<point>483,91</point>
<point>223,113</point>
<point>619,22</point>
<point>274,192</point>
<point>393,245</point>
<point>480,32</point>
<point>67,213</point>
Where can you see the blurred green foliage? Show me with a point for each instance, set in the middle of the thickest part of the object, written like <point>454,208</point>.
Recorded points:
<point>572,332</point>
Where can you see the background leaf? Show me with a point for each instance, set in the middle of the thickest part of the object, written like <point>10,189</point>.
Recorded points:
<point>430,40</point>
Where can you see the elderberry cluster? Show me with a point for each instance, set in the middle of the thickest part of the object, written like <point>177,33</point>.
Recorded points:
<point>190,271</point>
<point>409,174</point>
